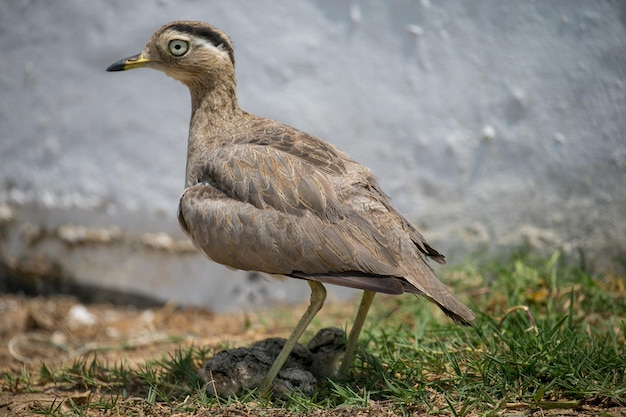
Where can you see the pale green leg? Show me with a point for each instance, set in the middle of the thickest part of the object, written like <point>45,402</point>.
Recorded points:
<point>366,302</point>
<point>318,295</point>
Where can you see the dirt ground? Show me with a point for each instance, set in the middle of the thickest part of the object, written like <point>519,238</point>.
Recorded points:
<point>35,329</point>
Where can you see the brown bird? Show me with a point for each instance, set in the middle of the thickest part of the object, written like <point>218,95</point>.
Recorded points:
<point>263,196</point>
<point>321,356</point>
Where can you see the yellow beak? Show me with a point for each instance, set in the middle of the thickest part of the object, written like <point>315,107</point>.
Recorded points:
<point>132,62</point>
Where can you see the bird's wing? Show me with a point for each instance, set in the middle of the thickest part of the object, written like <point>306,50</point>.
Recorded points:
<point>240,235</point>
<point>326,158</point>
<point>314,151</point>
<point>268,177</point>
<point>259,208</point>
<point>418,240</point>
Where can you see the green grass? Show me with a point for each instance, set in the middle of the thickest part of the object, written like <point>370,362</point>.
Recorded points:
<point>565,344</point>
<point>547,335</point>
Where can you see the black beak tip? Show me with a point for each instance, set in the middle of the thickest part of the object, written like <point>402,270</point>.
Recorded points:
<point>117,66</point>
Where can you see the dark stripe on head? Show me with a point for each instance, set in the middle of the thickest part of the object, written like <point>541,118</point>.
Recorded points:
<point>208,33</point>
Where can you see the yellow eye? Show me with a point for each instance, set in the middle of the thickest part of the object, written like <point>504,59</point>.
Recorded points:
<point>178,47</point>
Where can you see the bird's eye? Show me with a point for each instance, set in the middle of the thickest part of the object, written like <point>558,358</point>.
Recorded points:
<point>178,47</point>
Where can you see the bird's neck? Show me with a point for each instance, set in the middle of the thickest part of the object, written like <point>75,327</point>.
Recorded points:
<point>213,109</point>
<point>213,100</point>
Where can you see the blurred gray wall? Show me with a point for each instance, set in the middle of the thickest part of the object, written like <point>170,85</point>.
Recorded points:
<point>491,124</point>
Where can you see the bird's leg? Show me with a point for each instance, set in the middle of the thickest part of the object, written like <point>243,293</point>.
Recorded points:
<point>318,295</point>
<point>366,302</point>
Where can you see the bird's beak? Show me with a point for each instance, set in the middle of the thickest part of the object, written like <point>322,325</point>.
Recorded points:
<point>132,62</point>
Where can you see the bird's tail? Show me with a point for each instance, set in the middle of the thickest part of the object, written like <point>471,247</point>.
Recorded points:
<point>428,285</point>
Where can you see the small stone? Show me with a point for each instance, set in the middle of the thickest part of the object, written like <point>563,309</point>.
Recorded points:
<point>415,30</point>
<point>80,316</point>
<point>488,133</point>
<point>6,214</point>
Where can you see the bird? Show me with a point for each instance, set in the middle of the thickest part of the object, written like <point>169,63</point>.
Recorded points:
<point>327,348</point>
<point>232,371</point>
<point>266,197</point>
<point>321,356</point>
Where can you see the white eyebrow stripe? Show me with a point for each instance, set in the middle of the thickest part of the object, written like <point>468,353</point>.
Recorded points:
<point>219,49</point>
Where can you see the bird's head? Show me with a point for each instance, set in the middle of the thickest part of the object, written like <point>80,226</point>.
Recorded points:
<point>327,348</point>
<point>191,52</point>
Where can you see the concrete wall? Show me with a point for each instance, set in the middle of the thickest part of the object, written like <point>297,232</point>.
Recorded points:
<point>490,123</point>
